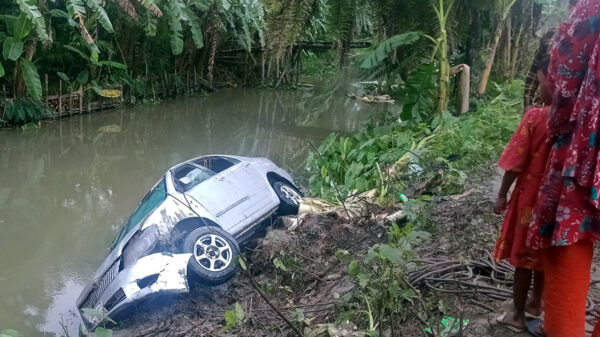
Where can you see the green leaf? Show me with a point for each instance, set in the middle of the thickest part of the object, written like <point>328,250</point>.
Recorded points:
<point>239,312</point>
<point>21,27</point>
<point>323,171</point>
<point>83,77</point>
<point>77,51</point>
<point>57,13</point>
<point>194,23</point>
<point>242,263</point>
<point>234,317</point>
<point>35,18</point>
<point>388,46</point>
<point>12,48</point>
<point>95,313</point>
<point>224,4</point>
<point>353,268</point>
<point>394,255</point>
<point>278,264</point>
<point>102,332</point>
<point>1,70</point>
<point>202,5</point>
<point>176,30</point>
<point>152,7</point>
<point>75,7</point>
<point>63,76</point>
<point>32,79</point>
<point>112,64</point>
<point>100,15</point>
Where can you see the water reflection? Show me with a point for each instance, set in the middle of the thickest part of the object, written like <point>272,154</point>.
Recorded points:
<point>66,187</point>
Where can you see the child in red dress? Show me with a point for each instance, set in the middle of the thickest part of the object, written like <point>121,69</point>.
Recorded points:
<point>524,159</point>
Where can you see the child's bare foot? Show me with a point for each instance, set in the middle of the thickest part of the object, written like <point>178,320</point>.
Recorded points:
<point>533,309</point>
<point>511,322</point>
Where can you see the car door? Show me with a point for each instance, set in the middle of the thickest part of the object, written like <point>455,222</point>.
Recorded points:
<point>214,192</point>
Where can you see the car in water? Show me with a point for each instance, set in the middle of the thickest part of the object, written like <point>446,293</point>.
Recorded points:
<point>188,229</point>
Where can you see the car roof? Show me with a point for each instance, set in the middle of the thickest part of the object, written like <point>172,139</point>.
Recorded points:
<point>208,155</point>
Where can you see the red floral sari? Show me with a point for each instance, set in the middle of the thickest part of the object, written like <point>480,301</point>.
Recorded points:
<point>527,153</point>
<point>568,204</point>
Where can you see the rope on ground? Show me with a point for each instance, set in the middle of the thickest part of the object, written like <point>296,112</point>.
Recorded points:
<point>484,277</point>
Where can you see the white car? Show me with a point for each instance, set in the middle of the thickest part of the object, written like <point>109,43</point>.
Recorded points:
<point>188,227</point>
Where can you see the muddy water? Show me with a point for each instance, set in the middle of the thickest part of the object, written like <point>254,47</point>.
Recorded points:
<point>66,187</point>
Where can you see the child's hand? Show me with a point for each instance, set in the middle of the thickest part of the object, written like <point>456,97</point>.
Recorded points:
<point>500,205</point>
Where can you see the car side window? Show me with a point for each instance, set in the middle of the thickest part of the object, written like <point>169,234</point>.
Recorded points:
<point>152,200</point>
<point>188,176</point>
<point>216,164</point>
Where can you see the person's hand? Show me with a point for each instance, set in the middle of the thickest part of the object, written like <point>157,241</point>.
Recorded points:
<point>500,205</point>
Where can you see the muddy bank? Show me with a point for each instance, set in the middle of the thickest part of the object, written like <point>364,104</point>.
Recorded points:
<point>297,267</point>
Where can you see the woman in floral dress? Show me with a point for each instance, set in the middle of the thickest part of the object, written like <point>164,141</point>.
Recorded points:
<point>566,219</point>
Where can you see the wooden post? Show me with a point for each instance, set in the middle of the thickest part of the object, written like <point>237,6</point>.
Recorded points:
<point>60,97</point>
<point>47,94</point>
<point>262,61</point>
<point>187,82</point>
<point>195,80</point>
<point>464,87</point>
<point>70,103</point>
<point>80,91</point>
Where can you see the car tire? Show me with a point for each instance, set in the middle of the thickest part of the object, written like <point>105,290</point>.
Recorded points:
<point>213,255</point>
<point>289,198</point>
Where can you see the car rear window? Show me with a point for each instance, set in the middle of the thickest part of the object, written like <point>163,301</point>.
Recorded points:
<point>188,176</point>
<point>216,164</point>
<point>152,200</point>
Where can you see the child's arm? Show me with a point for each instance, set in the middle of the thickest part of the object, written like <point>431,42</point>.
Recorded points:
<point>507,181</point>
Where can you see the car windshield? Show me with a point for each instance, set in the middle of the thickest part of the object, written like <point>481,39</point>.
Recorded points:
<point>154,198</point>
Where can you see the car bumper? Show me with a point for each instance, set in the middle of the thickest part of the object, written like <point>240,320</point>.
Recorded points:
<point>160,273</point>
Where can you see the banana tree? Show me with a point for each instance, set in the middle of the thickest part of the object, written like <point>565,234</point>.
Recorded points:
<point>19,46</point>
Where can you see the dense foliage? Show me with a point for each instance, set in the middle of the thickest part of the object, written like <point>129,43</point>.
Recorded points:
<point>145,44</point>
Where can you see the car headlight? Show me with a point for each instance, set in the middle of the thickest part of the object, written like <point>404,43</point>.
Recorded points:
<point>140,245</point>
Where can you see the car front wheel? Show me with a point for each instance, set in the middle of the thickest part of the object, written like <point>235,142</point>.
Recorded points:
<point>289,198</point>
<point>213,255</point>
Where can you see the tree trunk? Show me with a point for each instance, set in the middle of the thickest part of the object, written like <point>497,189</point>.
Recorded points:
<point>485,75</point>
<point>19,86</point>
<point>507,53</point>
<point>515,53</point>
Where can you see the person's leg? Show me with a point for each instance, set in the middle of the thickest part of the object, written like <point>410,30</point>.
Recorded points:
<point>534,302</point>
<point>521,285</point>
<point>516,317</point>
<point>567,279</point>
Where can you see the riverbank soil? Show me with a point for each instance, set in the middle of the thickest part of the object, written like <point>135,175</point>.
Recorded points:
<point>296,267</point>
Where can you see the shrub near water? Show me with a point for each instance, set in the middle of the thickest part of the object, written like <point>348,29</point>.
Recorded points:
<point>455,145</point>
